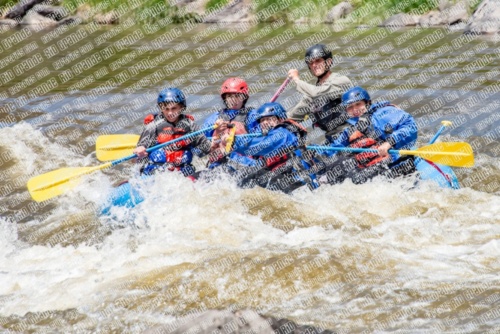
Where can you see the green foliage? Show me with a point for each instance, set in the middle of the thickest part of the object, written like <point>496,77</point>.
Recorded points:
<point>291,10</point>
<point>212,4</point>
<point>6,4</point>
<point>474,4</point>
<point>411,6</point>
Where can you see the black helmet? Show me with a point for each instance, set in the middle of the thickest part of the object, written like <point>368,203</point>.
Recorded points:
<point>317,51</point>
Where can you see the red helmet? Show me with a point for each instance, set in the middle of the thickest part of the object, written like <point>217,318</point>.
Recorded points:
<point>234,85</point>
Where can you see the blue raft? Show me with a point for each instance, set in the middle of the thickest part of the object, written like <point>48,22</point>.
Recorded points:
<point>442,175</point>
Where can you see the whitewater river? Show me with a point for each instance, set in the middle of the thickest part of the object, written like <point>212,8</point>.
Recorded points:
<point>369,258</point>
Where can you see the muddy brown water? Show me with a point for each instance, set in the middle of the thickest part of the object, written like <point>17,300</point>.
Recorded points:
<point>375,258</point>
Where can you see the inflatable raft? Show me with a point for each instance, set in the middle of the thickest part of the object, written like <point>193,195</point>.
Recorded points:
<point>126,196</point>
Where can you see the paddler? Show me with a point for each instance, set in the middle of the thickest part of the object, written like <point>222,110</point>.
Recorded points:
<point>169,124</point>
<point>268,157</point>
<point>382,126</point>
<point>321,102</point>
<point>234,119</point>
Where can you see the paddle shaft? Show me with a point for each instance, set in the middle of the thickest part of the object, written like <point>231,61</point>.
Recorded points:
<point>402,152</point>
<point>281,89</point>
<point>192,134</point>
<point>445,124</point>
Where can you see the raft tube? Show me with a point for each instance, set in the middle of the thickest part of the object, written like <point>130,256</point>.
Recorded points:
<point>441,174</point>
<point>123,195</point>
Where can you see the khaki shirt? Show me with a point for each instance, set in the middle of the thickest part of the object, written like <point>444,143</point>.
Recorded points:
<point>332,88</point>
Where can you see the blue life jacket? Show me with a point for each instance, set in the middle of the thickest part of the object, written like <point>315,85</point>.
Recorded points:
<point>386,123</point>
<point>279,141</point>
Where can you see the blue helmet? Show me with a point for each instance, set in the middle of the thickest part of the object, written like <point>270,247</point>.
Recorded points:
<point>172,95</point>
<point>355,94</point>
<point>271,109</point>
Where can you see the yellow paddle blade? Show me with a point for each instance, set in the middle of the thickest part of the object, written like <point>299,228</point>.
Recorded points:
<point>113,147</point>
<point>55,183</point>
<point>230,140</point>
<point>457,154</point>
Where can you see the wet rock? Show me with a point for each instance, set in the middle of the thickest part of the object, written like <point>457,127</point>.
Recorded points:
<point>236,11</point>
<point>108,18</point>
<point>71,20</point>
<point>443,4</point>
<point>287,326</point>
<point>8,22</point>
<point>433,18</point>
<point>214,321</point>
<point>449,16</point>
<point>455,14</point>
<point>33,18</point>
<point>52,12</point>
<point>400,20</point>
<point>486,18</point>
<point>341,10</point>
<point>21,9</point>
<point>84,12</point>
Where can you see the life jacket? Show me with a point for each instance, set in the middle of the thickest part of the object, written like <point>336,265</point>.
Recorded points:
<point>176,153</point>
<point>295,128</point>
<point>240,116</point>
<point>362,135</point>
<point>329,116</point>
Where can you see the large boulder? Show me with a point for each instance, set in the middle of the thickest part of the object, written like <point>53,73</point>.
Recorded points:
<point>455,14</point>
<point>19,11</point>
<point>236,11</point>
<point>8,22</point>
<point>433,18</point>
<point>340,11</point>
<point>238,322</point>
<point>213,321</point>
<point>449,15</point>
<point>486,18</point>
<point>108,18</point>
<point>33,18</point>
<point>52,12</point>
<point>400,20</point>
<point>443,4</point>
<point>70,20</point>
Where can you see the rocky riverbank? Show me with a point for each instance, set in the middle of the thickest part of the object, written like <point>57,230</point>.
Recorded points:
<point>471,16</point>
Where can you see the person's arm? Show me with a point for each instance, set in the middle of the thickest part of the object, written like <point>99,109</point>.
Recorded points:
<point>334,86</point>
<point>303,108</point>
<point>146,139</point>
<point>404,132</point>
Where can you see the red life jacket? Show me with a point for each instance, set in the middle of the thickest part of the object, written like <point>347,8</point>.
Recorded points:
<point>357,139</point>
<point>174,152</point>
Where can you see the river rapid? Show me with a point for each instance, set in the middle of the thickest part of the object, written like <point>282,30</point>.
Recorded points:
<point>375,258</point>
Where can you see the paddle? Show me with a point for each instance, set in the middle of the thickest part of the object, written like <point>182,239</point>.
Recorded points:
<point>443,126</point>
<point>112,147</point>
<point>51,184</point>
<point>457,154</point>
